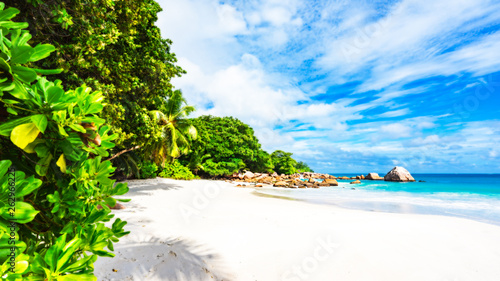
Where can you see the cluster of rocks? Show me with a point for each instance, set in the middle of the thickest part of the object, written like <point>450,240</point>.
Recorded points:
<point>313,180</point>
<point>303,180</point>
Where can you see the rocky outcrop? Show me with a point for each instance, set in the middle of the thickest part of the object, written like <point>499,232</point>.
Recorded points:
<point>373,176</point>
<point>248,175</point>
<point>399,174</point>
<point>303,180</point>
<point>280,184</point>
<point>355,182</point>
<point>331,182</point>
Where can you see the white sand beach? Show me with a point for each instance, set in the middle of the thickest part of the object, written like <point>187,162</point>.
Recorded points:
<point>212,230</point>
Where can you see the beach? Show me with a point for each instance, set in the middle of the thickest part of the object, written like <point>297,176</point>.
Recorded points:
<point>212,230</point>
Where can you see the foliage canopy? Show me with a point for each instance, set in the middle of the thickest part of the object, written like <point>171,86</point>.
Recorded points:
<point>113,47</point>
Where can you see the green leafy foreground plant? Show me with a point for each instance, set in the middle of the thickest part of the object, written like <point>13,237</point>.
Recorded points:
<point>55,187</point>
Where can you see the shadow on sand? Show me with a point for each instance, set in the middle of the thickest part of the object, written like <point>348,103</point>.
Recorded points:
<point>170,259</point>
<point>145,187</point>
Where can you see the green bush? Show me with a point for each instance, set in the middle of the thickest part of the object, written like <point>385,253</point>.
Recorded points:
<point>148,170</point>
<point>283,162</point>
<point>52,174</point>
<point>176,171</point>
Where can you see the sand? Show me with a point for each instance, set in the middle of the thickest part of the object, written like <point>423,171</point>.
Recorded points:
<point>212,230</point>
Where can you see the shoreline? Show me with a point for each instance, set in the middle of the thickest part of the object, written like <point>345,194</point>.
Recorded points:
<point>211,230</point>
<point>365,203</point>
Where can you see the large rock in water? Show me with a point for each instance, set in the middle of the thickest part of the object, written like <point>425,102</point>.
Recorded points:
<point>398,174</point>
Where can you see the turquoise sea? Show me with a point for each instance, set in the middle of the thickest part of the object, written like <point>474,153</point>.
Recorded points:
<point>472,196</point>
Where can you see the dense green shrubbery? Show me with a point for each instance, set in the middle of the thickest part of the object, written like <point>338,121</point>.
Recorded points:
<point>176,170</point>
<point>52,174</point>
<point>225,145</point>
<point>303,167</point>
<point>148,170</point>
<point>283,162</point>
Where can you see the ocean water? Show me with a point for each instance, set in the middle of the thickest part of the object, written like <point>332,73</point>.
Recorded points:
<point>472,196</point>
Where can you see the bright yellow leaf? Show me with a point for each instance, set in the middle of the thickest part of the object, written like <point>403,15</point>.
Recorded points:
<point>61,163</point>
<point>24,134</point>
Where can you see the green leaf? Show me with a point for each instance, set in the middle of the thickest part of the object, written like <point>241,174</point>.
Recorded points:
<point>21,54</point>
<point>7,127</point>
<point>120,189</point>
<point>4,65</point>
<point>62,131</point>
<point>7,86</point>
<point>23,213</point>
<point>4,166</point>
<point>24,134</point>
<point>23,40</point>
<point>27,186</point>
<point>19,90</point>
<point>42,166</point>
<point>13,25</point>
<point>42,51</point>
<point>78,265</point>
<point>42,150</point>
<point>54,94</point>
<point>10,101</point>
<point>110,201</point>
<point>8,13</point>
<point>11,111</point>
<point>40,121</point>
<point>25,74</point>
<point>48,71</point>
<point>68,251</point>
<point>54,251</point>
<point>94,108</point>
<point>77,128</point>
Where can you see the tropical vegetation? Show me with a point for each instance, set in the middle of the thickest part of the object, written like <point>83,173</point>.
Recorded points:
<point>113,47</point>
<point>225,145</point>
<point>56,186</point>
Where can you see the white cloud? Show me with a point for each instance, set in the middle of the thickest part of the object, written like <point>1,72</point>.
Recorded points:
<point>396,130</point>
<point>395,113</point>
<point>230,20</point>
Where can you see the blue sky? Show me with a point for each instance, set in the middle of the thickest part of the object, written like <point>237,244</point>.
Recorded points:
<point>349,86</point>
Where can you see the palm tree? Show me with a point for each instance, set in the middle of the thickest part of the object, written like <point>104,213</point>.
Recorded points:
<point>196,160</point>
<point>175,129</point>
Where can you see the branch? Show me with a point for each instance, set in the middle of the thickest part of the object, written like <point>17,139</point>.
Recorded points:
<point>123,151</point>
